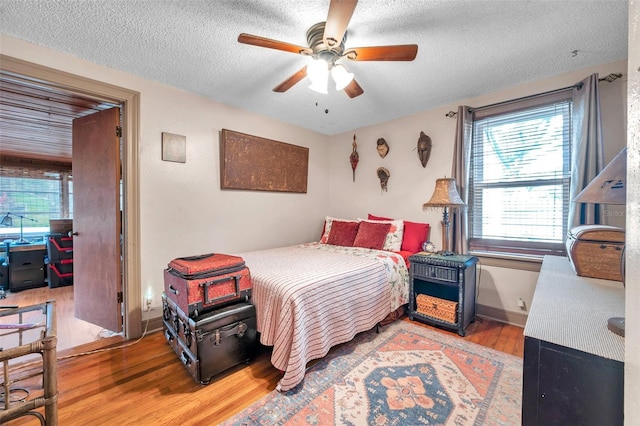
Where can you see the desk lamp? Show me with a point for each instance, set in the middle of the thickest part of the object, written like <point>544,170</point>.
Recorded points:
<point>7,220</point>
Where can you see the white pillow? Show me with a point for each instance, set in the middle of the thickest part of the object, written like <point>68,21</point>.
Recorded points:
<point>393,241</point>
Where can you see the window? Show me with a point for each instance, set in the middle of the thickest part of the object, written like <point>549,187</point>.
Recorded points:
<point>519,176</point>
<point>36,190</point>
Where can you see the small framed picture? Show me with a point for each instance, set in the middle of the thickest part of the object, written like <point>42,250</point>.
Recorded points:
<point>174,147</point>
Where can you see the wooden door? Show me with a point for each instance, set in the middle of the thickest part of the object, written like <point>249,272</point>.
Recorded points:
<point>97,268</point>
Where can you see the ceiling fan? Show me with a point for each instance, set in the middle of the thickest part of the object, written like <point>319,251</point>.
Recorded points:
<point>326,42</point>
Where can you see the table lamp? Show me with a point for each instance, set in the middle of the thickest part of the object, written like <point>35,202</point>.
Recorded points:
<point>445,195</point>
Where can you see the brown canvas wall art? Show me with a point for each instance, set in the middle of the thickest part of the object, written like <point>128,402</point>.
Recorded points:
<point>254,163</point>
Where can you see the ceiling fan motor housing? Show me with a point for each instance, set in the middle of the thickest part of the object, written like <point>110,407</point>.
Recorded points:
<point>321,50</point>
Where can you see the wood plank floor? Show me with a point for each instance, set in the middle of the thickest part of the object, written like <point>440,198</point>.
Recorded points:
<point>71,331</point>
<point>144,383</point>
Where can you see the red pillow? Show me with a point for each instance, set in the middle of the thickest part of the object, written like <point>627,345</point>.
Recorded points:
<point>371,235</point>
<point>414,235</point>
<point>342,233</point>
<point>372,217</point>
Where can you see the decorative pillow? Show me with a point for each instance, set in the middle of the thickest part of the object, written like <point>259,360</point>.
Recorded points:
<point>343,233</point>
<point>371,235</point>
<point>372,217</point>
<point>414,235</point>
<point>393,241</point>
<point>327,227</point>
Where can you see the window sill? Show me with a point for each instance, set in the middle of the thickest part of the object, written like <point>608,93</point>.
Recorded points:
<point>511,261</point>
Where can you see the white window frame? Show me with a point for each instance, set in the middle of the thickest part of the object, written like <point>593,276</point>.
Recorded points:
<point>510,244</point>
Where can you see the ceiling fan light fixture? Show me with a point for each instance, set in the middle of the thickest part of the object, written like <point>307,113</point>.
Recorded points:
<point>318,71</point>
<point>319,86</point>
<point>341,76</point>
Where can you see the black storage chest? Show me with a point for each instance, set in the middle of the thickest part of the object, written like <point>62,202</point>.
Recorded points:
<point>212,342</point>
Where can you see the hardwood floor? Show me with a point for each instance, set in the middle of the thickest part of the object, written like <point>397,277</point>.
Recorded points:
<point>144,383</point>
<point>71,331</point>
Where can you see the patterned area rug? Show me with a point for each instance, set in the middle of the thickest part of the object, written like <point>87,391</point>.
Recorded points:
<point>406,375</point>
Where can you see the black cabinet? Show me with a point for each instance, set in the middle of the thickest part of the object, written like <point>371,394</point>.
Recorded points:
<point>26,266</point>
<point>563,386</point>
<point>442,290</point>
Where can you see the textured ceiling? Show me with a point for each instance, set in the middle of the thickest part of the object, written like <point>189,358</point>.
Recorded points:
<point>465,48</point>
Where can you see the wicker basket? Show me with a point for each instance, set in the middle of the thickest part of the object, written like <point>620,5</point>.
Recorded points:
<point>597,251</point>
<point>444,310</point>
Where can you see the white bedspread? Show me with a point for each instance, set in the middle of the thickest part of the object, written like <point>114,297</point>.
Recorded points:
<point>313,296</point>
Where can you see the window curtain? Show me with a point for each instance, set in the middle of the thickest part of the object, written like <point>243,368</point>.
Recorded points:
<point>587,150</point>
<point>460,172</point>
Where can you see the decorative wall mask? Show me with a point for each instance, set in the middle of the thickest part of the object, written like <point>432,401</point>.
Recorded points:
<point>383,175</point>
<point>353,158</point>
<point>383,147</point>
<point>424,148</point>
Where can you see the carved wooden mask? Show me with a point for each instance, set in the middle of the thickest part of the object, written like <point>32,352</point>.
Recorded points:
<point>383,175</point>
<point>382,147</point>
<point>424,148</point>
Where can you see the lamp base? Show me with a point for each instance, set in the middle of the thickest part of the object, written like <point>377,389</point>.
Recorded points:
<point>616,325</point>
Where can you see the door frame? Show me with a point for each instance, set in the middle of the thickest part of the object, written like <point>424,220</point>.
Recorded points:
<point>130,101</point>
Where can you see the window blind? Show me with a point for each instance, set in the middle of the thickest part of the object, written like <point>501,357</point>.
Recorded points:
<point>519,177</point>
<point>38,190</point>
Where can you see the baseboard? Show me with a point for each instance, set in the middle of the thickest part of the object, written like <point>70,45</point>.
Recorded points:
<point>155,324</point>
<point>509,317</point>
<point>496,314</point>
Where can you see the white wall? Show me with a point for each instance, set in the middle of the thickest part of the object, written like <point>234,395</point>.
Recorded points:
<point>411,185</point>
<point>182,209</point>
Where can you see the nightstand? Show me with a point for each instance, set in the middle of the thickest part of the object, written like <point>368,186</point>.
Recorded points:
<point>442,290</point>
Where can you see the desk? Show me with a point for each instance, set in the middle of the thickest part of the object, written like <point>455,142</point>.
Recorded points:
<point>26,265</point>
<point>573,372</point>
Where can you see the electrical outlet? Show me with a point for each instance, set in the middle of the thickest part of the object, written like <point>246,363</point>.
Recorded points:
<point>147,304</point>
<point>522,305</point>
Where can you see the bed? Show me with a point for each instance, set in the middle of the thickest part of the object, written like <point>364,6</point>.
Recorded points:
<point>311,297</point>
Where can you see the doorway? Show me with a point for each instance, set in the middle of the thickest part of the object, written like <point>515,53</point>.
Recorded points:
<point>129,100</point>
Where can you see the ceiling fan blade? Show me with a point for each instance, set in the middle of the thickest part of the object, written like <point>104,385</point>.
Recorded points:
<point>401,52</point>
<point>353,89</point>
<point>340,12</point>
<point>288,83</point>
<point>272,44</point>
